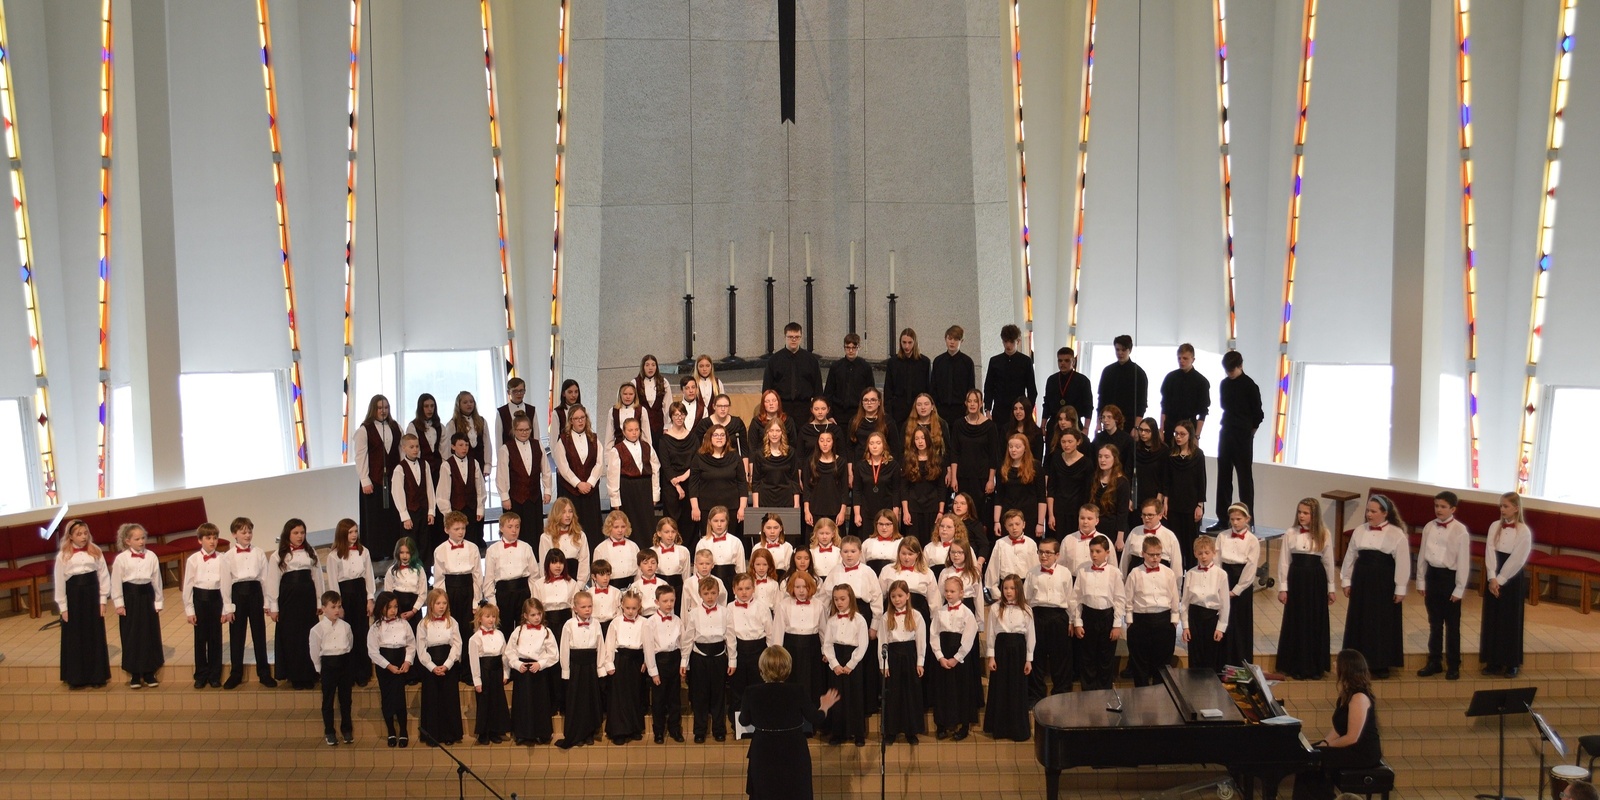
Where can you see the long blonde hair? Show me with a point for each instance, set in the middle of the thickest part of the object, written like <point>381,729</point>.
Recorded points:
<point>910,615</point>
<point>552,523</point>
<point>1319,531</point>
<point>460,420</point>
<point>66,540</point>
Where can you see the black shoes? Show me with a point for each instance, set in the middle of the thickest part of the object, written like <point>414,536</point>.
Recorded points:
<point>393,740</point>
<point>233,681</point>
<point>961,733</point>
<point>660,738</point>
<point>199,683</point>
<point>331,742</point>
<point>1512,672</point>
<point>1431,669</point>
<point>269,682</point>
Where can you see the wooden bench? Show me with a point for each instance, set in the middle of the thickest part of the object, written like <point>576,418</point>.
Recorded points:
<point>1573,541</point>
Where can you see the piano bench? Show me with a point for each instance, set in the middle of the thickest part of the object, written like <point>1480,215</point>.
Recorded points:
<point>1367,782</point>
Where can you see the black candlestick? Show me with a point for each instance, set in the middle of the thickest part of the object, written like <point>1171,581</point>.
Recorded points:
<point>771,281</point>
<point>852,289</point>
<point>811,329</point>
<point>894,341</point>
<point>733,323</point>
<point>688,327</point>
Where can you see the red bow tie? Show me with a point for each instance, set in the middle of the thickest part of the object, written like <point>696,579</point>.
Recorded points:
<point>207,556</point>
<point>606,590</point>
<point>629,619</point>
<point>1018,541</point>
<point>1152,569</point>
<point>355,548</point>
<point>137,555</point>
<point>1203,569</point>
<point>719,539</point>
<point>486,631</point>
<point>295,547</point>
<point>458,546</point>
<point>1239,535</point>
<point>956,607</point>
<point>824,549</point>
<point>709,609</point>
<point>885,538</point>
<point>1151,531</point>
<point>80,549</point>
<point>1048,570</point>
<point>667,549</point>
<point>243,549</point>
<point>652,581</point>
<point>852,569</point>
<point>741,604</point>
<point>583,624</point>
<point>616,543</point>
<point>844,616</point>
<point>907,569</point>
<point>1086,536</point>
<point>1374,527</point>
<point>901,613</point>
<point>760,581</point>
<point>534,627</point>
<point>1304,529</point>
<point>438,619</point>
<point>510,545</point>
<point>802,602</point>
<point>1098,569</point>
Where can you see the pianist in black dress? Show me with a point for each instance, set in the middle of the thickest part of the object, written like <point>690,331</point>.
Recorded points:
<point>780,761</point>
<point>1353,743</point>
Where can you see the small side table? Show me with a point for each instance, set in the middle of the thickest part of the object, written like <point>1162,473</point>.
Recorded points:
<point>1339,498</point>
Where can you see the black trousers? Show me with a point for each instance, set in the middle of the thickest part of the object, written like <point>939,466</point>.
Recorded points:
<point>1052,654</point>
<point>1444,618</point>
<point>666,706</point>
<point>249,613</point>
<point>336,679</point>
<point>708,676</point>
<point>1233,455</point>
<point>208,635</point>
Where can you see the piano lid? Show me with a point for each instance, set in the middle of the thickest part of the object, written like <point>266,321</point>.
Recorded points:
<point>1177,701</point>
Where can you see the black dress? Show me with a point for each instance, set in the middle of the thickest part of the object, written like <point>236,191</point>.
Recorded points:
<point>780,760</point>
<point>441,701</point>
<point>856,447</point>
<point>825,488</point>
<point>1011,493</point>
<point>675,455</point>
<point>1501,632</point>
<point>974,449</point>
<point>297,613</point>
<point>902,690</point>
<point>580,719</point>
<point>625,701</point>
<point>531,710</point>
<point>1184,482</point>
<point>1149,475</point>
<point>1122,440</point>
<point>775,479</point>
<point>140,627</point>
<point>717,481</point>
<point>85,660</point>
<point>1067,485</point>
<point>806,442</point>
<point>923,496</point>
<point>955,702</point>
<point>876,488</point>
<point>1113,500</point>
<point>494,716</point>
<point>903,380</point>
<point>1006,716</point>
<point>1367,752</point>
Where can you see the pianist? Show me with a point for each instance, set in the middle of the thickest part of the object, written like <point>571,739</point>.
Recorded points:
<point>1353,744</point>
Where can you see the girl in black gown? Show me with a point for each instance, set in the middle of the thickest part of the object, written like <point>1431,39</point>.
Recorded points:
<point>821,422</point>
<point>775,469</point>
<point>1353,743</point>
<point>1149,468</point>
<point>1377,565</point>
<point>824,482</point>
<point>780,760</point>
<point>1306,578</point>
<point>1067,472</point>
<point>870,418</point>
<point>1506,586</point>
<point>1021,421</point>
<point>975,451</point>
<point>1184,484</point>
<point>1108,489</point>
<point>82,587</point>
<point>905,376</point>
<point>675,448</point>
<point>1019,484</point>
<point>717,478</point>
<point>924,473</point>
<point>1111,433</point>
<point>876,482</point>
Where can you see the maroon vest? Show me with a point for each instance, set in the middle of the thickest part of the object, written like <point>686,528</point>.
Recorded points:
<point>582,469</point>
<point>428,453</point>
<point>522,481</point>
<point>506,436</point>
<point>416,497</point>
<point>379,459</point>
<point>463,495</point>
<point>629,468</point>
<point>617,419</point>
<point>653,410</point>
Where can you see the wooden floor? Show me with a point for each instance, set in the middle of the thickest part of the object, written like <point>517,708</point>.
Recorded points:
<point>177,742</point>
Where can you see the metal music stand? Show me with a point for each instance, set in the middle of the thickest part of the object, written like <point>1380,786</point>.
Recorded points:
<point>1546,734</point>
<point>1500,702</point>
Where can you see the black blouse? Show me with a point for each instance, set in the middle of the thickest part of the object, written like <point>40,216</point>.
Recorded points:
<point>775,479</point>
<point>717,480</point>
<point>824,487</point>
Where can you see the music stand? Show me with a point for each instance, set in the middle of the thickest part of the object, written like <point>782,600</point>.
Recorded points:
<point>1500,702</point>
<point>1546,734</point>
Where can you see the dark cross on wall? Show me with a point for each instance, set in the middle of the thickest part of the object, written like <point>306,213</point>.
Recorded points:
<point>786,58</point>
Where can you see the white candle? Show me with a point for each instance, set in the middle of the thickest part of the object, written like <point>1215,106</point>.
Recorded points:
<point>731,262</point>
<point>808,254</point>
<point>852,262</point>
<point>891,272</point>
<point>688,272</point>
<point>772,238</point>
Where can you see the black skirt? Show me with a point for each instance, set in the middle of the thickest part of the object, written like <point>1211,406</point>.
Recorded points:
<point>805,652</point>
<point>530,705</point>
<point>141,630</point>
<point>459,589</point>
<point>1372,623</point>
<point>902,692</point>
<point>441,702</point>
<point>1007,714</point>
<point>953,700</point>
<point>638,503</point>
<point>380,521</point>
<point>392,687</point>
<point>297,613</point>
<point>1204,651</point>
<point>581,720</point>
<point>85,659</point>
<point>494,717</point>
<point>848,717</point>
<point>1239,643</point>
<point>625,706</point>
<point>977,667</point>
<point>555,620</point>
<point>1305,643</point>
<point>1500,637</point>
<point>353,595</point>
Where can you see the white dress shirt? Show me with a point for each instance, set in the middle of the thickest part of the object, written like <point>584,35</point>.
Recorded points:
<point>1298,541</point>
<point>1152,590</point>
<point>136,566</point>
<point>661,635</point>
<point>1386,538</point>
<point>579,635</point>
<point>800,617</point>
<point>1011,557</point>
<point>530,454</point>
<point>1206,587</point>
<point>1049,589</point>
<point>296,560</point>
<point>955,619</point>
<point>407,579</point>
<point>1099,588</point>
<point>1133,551</point>
<point>622,555</point>
<point>204,571</point>
<point>387,633</point>
<point>330,637</point>
<point>573,546</point>
<point>483,643</point>
<point>1009,619</point>
<point>534,643</point>
<point>1449,546</point>
<point>849,630</point>
<point>643,456</point>
<point>80,562</point>
<point>910,628</point>
<point>241,564</point>
<point>1240,548</point>
<point>624,633</point>
<point>507,561</point>
<point>357,565</point>
<point>419,472</point>
<point>824,560</point>
<point>1507,552</point>
<point>433,632</point>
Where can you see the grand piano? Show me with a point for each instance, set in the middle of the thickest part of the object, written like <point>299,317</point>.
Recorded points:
<point>1191,717</point>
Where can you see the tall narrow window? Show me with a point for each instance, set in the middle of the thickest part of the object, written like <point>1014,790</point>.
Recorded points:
<point>1568,469</point>
<point>233,427</point>
<point>15,494</point>
<point>1342,418</point>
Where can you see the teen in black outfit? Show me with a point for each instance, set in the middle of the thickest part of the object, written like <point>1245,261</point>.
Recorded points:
<point>953,376</point>
<point>1123,382</point>
<point>905,376</point>
<point>1009,376</point>
<point>1184,484</point>
<point>975,451</point>
<point>847,379</point>
<point>1185,393</point>
<point>1068,387</point>
<point>1241,416</point>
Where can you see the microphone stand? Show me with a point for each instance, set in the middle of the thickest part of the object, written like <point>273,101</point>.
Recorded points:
<point>462,770</point>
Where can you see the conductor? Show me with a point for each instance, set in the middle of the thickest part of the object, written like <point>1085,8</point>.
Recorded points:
<point>780,761</point>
